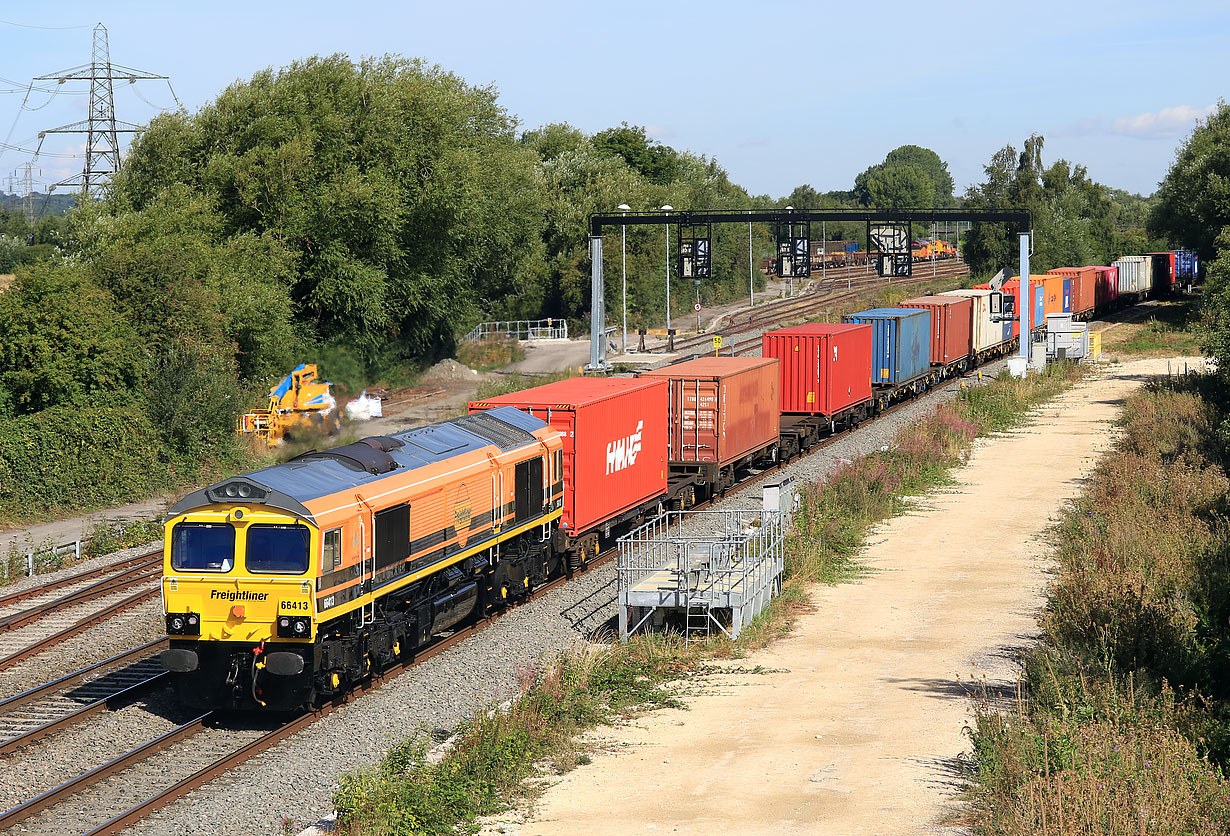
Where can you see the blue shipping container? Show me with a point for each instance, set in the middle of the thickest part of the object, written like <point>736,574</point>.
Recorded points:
<point>1067,296</point>
<point>900,342</point>
<point>1186,265</point>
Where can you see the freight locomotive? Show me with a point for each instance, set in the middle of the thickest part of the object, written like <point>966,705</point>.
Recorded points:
<point>287,585</point>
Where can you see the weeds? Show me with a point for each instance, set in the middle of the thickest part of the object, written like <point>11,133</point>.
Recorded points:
<point>107,537</point>
<point>412,793</point>
<point>1122,727</point>
<point>507,384</point>
<point>485,355</point>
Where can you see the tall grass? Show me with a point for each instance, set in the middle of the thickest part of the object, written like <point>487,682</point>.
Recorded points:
<point>1122,726</point>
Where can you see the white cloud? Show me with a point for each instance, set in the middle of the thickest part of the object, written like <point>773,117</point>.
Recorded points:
<point>1167,122</point>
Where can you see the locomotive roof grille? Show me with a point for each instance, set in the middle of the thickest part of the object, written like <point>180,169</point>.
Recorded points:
<point>369,455</point>
<point>503,435</point>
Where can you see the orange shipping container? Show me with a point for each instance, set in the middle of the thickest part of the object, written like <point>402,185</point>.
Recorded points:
<point>722,409</point>
<point>1084,287</point>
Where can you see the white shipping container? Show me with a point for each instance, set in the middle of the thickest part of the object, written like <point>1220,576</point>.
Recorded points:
<point>1130,269</point>
<point>1146,275</point>
<point>986,334</point>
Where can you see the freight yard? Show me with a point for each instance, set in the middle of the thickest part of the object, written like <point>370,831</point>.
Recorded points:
<point>127,698</point>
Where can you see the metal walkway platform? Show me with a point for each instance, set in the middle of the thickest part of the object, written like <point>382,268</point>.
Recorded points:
<point>704,570</point>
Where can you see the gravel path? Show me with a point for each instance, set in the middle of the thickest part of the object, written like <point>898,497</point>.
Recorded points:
<point>297,779</point>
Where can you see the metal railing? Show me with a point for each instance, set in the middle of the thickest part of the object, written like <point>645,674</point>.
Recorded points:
<point>735,565</point>
<point>520,329</point>
<point>42,559</point>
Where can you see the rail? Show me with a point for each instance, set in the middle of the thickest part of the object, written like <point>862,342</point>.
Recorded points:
<point>520,329</point>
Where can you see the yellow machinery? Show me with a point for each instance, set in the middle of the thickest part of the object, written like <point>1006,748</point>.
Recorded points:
<point>299,402</point>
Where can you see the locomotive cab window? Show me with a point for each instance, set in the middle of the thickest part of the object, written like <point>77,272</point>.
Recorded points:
<point>280,549</point>
<point>331,551</point>
<point>203,547</point>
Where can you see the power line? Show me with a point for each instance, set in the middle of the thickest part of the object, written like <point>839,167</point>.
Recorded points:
<point>44,28</point>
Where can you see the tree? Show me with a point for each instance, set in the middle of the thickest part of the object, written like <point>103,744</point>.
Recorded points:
<point>399,194</point>
<point>64,339</point>
<point>1072,215</point>
<point>910,177</point>
<point>1193,201</point>
<point>659,164</point>
<point>1215,305</point>
<point>894,186</point>
<point>930,163</point>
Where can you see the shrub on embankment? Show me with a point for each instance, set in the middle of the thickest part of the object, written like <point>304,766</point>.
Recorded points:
<point>77,457</point>
<point>1123,720</point>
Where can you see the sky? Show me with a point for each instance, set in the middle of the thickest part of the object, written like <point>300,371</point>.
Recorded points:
<point>780,93</point>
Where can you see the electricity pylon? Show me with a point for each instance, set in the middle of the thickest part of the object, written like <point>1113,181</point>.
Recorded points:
<point>102,129</point>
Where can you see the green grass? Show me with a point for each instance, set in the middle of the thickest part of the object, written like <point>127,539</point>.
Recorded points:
<point>1172,329</point>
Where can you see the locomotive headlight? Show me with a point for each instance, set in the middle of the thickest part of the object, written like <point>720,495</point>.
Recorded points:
<point>294,626</point>
<point>183,624</point>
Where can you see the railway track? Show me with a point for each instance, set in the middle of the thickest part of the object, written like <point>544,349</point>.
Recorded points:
<point>773,313</point>
<point>148,777</point>
<point>70,699</point>
<point>57,625</point>
<point>136,563</point>
<point>188,752</point>
<point>91,598</point>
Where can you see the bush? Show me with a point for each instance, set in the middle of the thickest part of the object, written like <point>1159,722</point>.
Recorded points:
<point>192,396</point>
<point>74,457</point>
<point>486,355</point>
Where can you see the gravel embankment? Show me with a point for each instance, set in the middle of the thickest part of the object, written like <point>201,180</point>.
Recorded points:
<point>297,779</point>
<point>124,631</point>
<point>47,763</point>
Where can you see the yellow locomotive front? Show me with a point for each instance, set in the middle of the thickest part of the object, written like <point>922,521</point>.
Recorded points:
<point>238,597</point>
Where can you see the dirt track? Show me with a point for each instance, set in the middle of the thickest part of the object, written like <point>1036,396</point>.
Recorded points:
<point>858,726</point>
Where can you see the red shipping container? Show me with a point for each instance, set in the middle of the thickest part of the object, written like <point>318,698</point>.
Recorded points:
<point>721,408</point>
<point>1106,287</point>
<point>614,434</point>
<point>1084,285</point>
<point>951,326</point>
<point>823,367</point>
